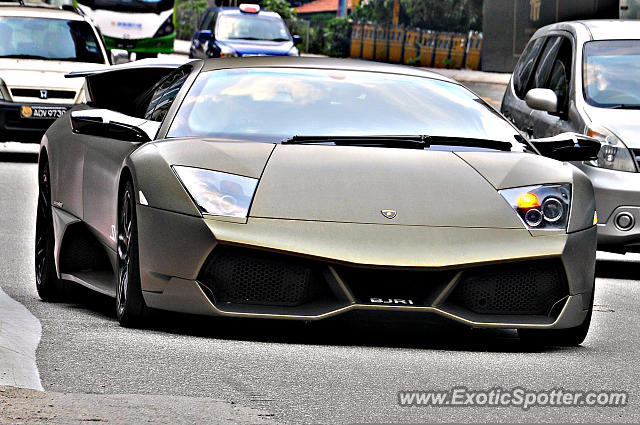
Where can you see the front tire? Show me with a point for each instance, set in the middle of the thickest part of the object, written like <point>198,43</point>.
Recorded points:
<point>130,306</point>
<point>570,337</point>
<point>48,285</point>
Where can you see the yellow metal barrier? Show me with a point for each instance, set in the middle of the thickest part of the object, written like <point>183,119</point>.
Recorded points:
<point>427,48</point>
<point>474,47</point>
<point>443,47</point>
<point>382,49</point>
<point>411,45</point>
<point>396,43</point>
<point>434,49</point>
<point>368,41</point>
<point>458,49</point>
<point>356,41</point>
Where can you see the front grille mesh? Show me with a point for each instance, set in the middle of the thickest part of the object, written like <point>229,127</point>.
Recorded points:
<point>51,94</point>
<point>241,277</point>
<point>531,288</point>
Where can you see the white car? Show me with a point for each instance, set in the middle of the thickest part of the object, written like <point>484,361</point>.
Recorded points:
<point>38,46</point>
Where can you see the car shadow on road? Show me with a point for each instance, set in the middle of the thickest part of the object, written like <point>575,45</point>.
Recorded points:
<point>18,157</point>
<point>611,269</point>
<point>352,329</point>
<point>408,331</point>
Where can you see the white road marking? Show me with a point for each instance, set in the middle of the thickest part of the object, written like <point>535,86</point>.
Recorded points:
<point>19,337</point>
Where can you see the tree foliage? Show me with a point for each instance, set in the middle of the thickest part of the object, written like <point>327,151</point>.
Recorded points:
<point>337,35</point>
<point>282,7</point>
<point>439,15</point>
<point>188,14</point>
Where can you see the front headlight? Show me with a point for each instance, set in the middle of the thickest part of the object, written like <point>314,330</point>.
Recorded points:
<point>544,207</point>
<point>166,28</point>
<point>613,154</point>
<point>227,52</point>
<point>216,193</point>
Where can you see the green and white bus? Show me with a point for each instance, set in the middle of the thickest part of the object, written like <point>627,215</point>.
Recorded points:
<point>146,27</point>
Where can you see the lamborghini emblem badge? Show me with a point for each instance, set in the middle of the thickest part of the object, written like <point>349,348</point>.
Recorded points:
<point>390,214</point>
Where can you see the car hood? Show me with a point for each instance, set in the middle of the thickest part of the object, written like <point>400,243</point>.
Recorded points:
<point>42,74</point>
<point>256,47</point>
<point>624,123</point>
<point>354,184</point>
<point>351,184</point>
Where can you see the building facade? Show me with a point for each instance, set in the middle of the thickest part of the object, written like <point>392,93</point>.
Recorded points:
<point>509,24</point>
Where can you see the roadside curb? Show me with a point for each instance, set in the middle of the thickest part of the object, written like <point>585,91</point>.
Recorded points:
<point>470,76</point>
<point>19,337</point>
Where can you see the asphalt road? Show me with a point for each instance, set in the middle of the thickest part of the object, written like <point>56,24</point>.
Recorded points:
<point>321,373</point>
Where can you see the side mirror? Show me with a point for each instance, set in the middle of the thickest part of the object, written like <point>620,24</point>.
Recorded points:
<point>113,125</point>
<point>119,56</point>
<point>205,35</point>
<point>568,147</point>
<point>297,39</point>
<point>542,100</point>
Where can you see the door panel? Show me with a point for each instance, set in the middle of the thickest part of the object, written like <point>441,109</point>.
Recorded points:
<point>66,164</point>
<point>103,159</point>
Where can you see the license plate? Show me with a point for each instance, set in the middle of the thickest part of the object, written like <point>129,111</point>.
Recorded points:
<point>42,112</point>
<point>126,44</point>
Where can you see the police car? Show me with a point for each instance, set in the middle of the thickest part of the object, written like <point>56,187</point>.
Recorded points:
<point>243,31</point>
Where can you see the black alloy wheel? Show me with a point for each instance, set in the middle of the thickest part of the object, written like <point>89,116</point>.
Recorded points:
<point>130,307</point>
<point>48,285</point>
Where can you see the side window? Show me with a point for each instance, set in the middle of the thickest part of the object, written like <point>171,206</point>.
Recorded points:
<point>546,62</point>
<point>165,93</point>
<point>560,78</point>
<point>207,22</point>
<point>522,72</point>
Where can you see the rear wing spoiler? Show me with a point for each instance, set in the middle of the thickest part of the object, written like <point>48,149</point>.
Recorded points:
<point>125,87</point>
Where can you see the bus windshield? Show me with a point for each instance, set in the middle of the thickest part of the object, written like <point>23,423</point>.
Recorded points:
<point>142,6</point>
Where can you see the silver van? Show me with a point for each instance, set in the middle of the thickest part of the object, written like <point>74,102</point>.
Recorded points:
<point>585,77</point>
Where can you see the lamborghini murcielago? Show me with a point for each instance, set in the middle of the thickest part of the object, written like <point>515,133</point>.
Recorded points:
<point>305,188</point>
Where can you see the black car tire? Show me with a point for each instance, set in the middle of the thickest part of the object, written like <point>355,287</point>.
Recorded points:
<point>49,287</point>
<point>130,306</point>
<point>570,337</point>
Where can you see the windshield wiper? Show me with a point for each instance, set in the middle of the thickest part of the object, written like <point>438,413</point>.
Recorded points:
<point>415,142</point>
<point>23,57</point>
<point>624,106</point>
<point>245,38</point>
<point>279,39</point>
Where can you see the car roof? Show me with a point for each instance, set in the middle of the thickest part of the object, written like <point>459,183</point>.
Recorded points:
<point>319,63</point>
<point>39,12</point>
<point>613,29</point>
<point>236,11</point>
<point>604,29</point>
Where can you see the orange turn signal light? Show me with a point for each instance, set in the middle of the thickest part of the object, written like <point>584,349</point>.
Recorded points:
<point>528,200</point>
<point>595,218</point>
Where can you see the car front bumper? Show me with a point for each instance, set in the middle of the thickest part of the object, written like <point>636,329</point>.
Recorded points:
<point>618,205</point>
<point>15,128</point>
<point>363,267</point>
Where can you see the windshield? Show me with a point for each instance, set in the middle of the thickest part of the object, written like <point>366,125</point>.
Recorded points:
<point>276,104</point>
<point>49,39</point>
<point>611,70</point>
<point>251,27</point>
<point>143,6</point>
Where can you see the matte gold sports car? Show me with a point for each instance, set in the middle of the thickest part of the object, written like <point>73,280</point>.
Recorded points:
<point>305,188</point>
